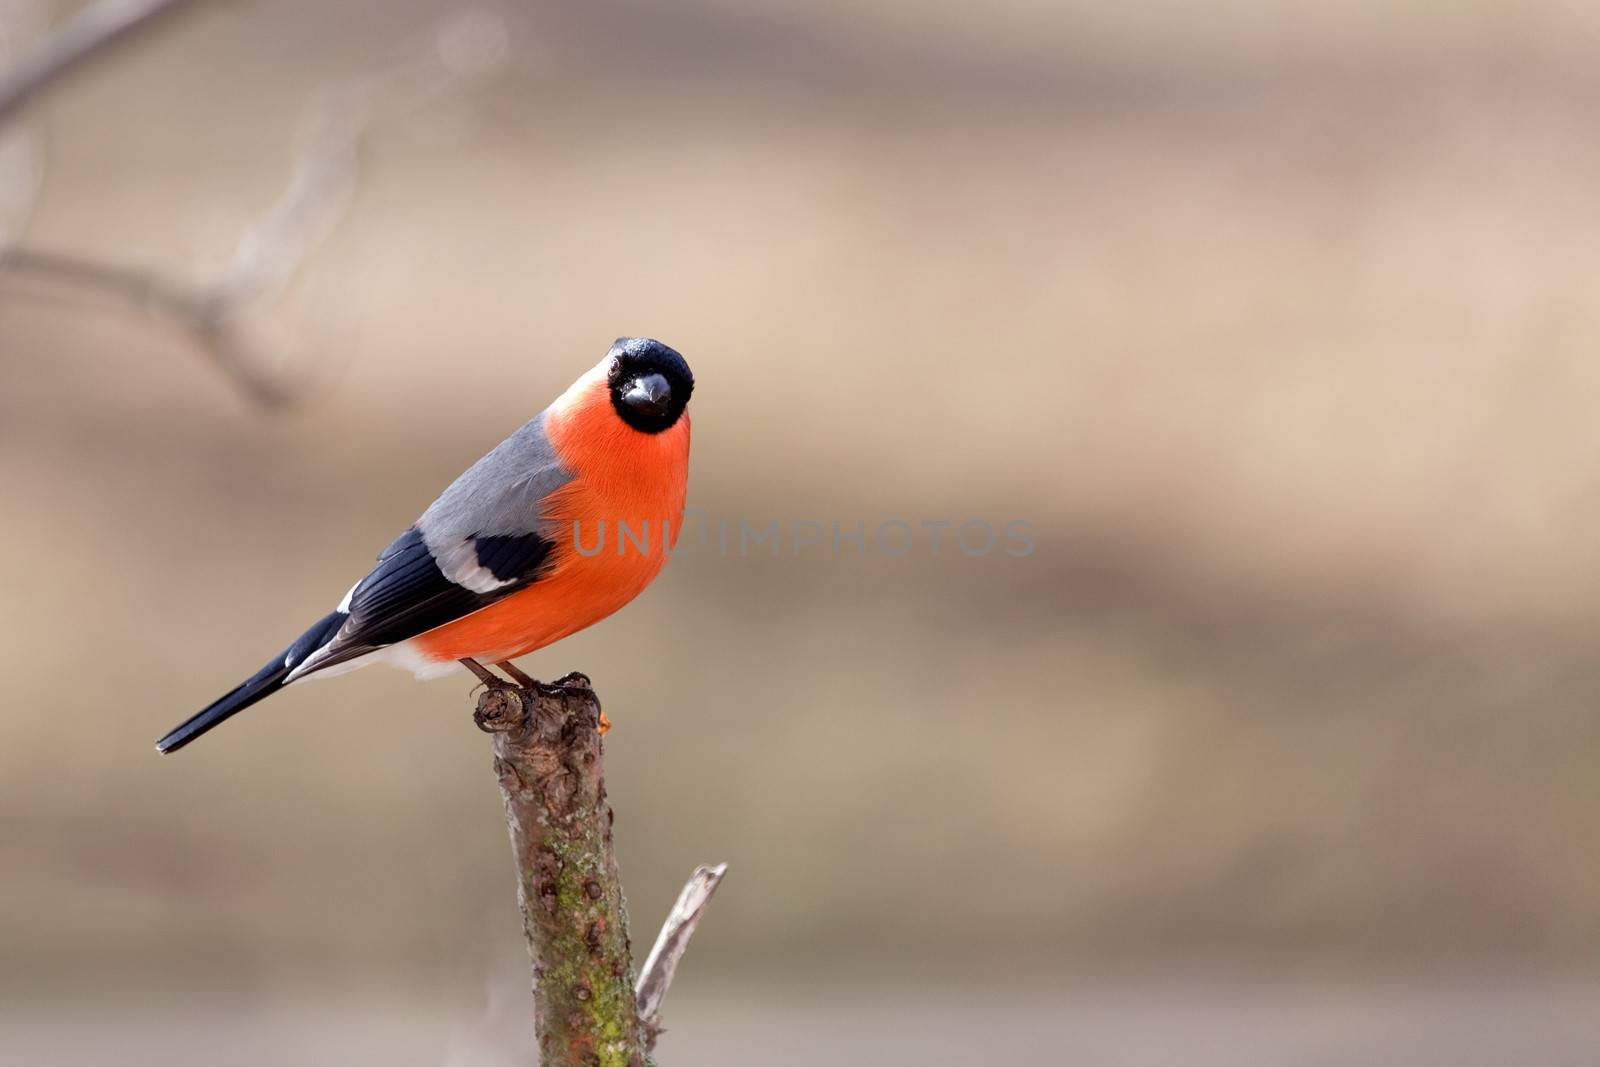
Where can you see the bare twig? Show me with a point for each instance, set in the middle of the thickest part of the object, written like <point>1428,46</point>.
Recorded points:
<point>200,308</point>
<point>138,286</point>
<point>547,758</point>
<point>464,47</point>
<point>321,183</point>
<point>20,169</point>
<point>100,26</point>
<point>461,48</point>
<point>671,943</point>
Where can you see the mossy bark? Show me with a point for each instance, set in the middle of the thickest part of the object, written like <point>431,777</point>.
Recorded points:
<point>547,757</point>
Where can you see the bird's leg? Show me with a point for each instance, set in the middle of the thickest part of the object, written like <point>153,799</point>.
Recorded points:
<point>484,674</point>
<point>517,675</point>
<point>501,707</point>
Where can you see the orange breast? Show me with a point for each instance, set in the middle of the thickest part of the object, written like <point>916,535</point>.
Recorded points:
<point>623,478</point>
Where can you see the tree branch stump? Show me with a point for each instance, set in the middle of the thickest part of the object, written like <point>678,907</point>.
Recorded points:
<point>547,758</point>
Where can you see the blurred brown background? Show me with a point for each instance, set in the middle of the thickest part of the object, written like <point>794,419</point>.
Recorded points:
<point>1276,321</point>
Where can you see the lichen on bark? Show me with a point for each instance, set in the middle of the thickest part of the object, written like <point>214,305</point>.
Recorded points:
<point>548,759</point>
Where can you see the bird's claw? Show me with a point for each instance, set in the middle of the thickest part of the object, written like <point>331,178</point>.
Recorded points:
<point>517,675</point>
<point>500,710</point>
<point>574,684</point>
<point>567,685</point>
<point>573,680</point>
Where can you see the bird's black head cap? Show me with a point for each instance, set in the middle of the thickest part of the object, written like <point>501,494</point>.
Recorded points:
<point>650,383</point>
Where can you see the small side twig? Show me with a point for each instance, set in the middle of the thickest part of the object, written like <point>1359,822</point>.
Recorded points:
<point>462,48</point>
<point>671,943</point>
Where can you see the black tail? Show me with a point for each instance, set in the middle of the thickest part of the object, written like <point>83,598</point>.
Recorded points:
<point>262,684</point>
<point>259,686</point>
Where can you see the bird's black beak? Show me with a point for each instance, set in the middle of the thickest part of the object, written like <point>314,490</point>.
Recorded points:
<point>649,395</point>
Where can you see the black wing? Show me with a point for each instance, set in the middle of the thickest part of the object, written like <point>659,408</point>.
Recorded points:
<point>407,594</point>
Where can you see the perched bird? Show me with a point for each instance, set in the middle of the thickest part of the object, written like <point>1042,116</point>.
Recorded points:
<point>505,561</point>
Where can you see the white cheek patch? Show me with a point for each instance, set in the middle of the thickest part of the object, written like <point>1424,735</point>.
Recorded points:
<point>582,391</point>
<point>459,563</point>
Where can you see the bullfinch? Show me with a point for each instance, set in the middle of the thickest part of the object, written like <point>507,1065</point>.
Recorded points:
<point>505,561</point>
